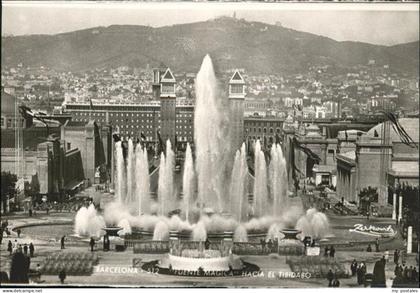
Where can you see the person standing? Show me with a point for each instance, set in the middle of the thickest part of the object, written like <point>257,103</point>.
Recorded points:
<point>396,256</point>
<point>262,241</point>
<point>415,275</point>
<point>18,231</point>
<point>369,248</point>
<point>406,273</point>
<point>353,267</point>
<point>92,243</point>
<point>330,277</point>
<point>31,249</point>
<point>326,251</point>
<point>359,274</point>
<point>10,247</point>
<point>62,241</point>
<point>62,276</point>
<point>363,272</point>
<point>270,246</point>
<point>25,249</point>
<point>332,251</point>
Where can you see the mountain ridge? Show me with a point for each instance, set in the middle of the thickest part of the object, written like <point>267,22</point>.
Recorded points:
<point>255,46</point>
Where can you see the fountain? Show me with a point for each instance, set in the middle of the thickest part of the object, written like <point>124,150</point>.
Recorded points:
<point>210,128</point>
<point>260,183</point>
<point>188,183</point>
<point>216,184</point>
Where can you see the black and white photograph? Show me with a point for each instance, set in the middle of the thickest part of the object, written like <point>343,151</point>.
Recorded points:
<point>209,145</point>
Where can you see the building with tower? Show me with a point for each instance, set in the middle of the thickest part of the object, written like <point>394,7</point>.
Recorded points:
<point>236,108</point>
<point>167,106</point>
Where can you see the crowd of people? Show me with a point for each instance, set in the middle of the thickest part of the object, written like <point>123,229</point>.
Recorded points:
<point>13,247</point>
<point>329,251</point>
<point>332,279</point>
<point>404,274</point>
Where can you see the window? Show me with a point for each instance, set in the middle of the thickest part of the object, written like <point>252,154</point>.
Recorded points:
<point>325,179</point>
<point>236,89</point>
<point>167,88</point>
<point>331,151</point>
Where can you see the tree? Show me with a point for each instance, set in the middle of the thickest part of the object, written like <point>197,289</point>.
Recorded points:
<point>8,187</point>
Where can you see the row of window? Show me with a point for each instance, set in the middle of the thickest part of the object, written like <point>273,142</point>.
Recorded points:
<point>263,123</point>
<point>11,122</point>
<point>271,130</point>
<point>185,126</point>
<point>137,126</point>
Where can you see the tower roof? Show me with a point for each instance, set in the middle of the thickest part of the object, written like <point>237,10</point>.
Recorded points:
<point>236,78</point>
<point>168,76</point>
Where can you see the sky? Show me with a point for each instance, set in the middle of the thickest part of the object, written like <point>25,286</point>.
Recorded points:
<point>383,24</point>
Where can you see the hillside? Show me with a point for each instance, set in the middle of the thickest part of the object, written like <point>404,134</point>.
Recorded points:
<point>255,46</point>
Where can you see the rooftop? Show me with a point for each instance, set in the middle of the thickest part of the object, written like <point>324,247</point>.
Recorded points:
<point>411,126</point>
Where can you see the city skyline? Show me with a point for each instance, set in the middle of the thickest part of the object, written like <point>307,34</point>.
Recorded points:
<point>351,22</point>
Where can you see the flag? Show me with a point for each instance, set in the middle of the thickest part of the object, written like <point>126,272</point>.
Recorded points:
<point>116,137</point>
<point>306,150</point>
<point>294,169</point>
<point>404,137</point>
<point>26,112</point>
<point>143,137</point>
<point>160,143</point>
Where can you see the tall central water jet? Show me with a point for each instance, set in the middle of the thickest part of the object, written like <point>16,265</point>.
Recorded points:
<point>211,133</point>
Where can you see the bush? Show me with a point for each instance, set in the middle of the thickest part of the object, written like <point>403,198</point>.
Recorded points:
<point>73,263</point>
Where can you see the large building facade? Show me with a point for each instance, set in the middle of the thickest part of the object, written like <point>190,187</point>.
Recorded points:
<point>169,116</point>
<point>379,160</point>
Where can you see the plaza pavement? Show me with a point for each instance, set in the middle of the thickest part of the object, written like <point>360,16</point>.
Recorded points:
<point>270,263</point>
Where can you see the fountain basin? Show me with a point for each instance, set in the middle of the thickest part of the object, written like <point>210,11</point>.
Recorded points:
<point>217,264</point>
<point>112,231</point>
<point>290,245</point>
